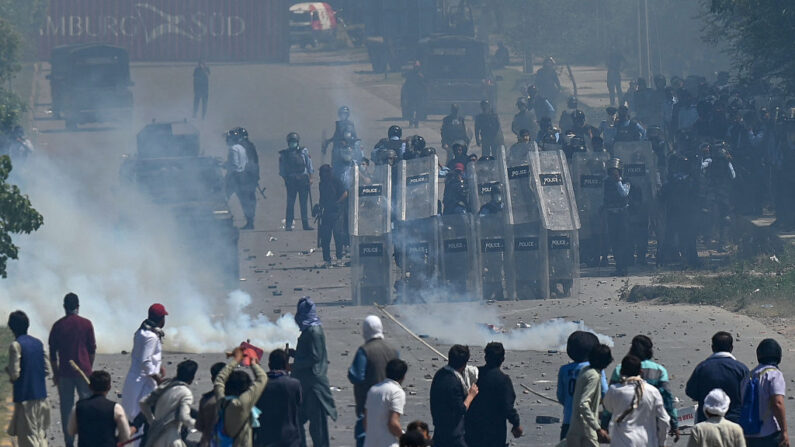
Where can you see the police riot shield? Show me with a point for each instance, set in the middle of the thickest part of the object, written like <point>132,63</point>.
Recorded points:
<point>530,268</point>
<point>459,271</point>
<point>491,203</point>
<point>417,188</point>
<point>561,219</point>
<point>418,258</point>
<point>640,167</point>
<point>588,174</point>
<point>551,147</point>
<point>371,245</point>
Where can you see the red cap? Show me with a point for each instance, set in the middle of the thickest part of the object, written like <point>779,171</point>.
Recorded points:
<point>157,310</point>
<point>459,167</point>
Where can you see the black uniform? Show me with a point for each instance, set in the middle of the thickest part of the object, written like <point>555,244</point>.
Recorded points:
<point>680,219</point>
<point>488,133</point>
<point>454,128</point>
<point>331,218</point>
<point>456,197</point>
<point>201,89</point>
<point>616,206</point>
<point>295,168</point>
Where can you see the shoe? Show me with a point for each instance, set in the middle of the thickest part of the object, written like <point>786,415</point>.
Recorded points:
<point>308,228</point>
<point>248,226</point>
<point>288,228</point>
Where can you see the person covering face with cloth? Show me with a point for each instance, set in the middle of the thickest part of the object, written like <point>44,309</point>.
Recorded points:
<point>146,361</point>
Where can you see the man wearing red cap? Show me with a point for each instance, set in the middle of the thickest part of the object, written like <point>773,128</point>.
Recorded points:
<point>146,367</point>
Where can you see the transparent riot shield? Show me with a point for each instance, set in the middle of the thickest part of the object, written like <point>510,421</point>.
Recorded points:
<point>551,147</point>
<point>640,166</point>
<point>489,199</point>
<point>530,267</point>
<point>417,188</point>
<point>459,272</point>
<point>371,245</point>
<point>418,242</point>
<point>561,219</point>
<point>588,174</point>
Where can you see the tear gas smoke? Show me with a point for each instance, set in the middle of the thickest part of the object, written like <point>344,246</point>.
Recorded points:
<point>120,253</point>
<point>476,325</point>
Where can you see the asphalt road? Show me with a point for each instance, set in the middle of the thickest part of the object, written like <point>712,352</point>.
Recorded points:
<point>270,101</point>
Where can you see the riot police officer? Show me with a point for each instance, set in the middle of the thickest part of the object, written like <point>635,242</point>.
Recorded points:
<point>495,205</point>
<point>521,148</point>
<point>341,126</point>
<point>525,119</point>
<point>459,154</point>
<point>616,203</point>
<point>415,148</point>
<point>295,167</point>
<point>242,172</point>
<point>393,142</point>
<point>567,116</point>
<point>454,127</point>
<point>627,129</point>
<point>548,134</point>
<point>456,196</point>
<point>680,208</point>
<point>488,133</point>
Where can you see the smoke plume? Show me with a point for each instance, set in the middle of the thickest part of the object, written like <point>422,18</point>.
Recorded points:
<point>120,254</point>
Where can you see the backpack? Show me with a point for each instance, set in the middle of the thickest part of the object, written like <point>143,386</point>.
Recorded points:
<point>220,438</point>
<point>750,419</point>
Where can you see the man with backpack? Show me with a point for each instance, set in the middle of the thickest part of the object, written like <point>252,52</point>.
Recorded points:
<point>237,396</point>
<point>167,408</point>
<point>720,370</point>
<point>763,416</point>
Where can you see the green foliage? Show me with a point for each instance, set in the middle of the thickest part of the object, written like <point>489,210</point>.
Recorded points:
<point>26,15</point>
<point>16,215</point>
<point>11,108</point>
<point>10,45</point>
<point>761,37</point>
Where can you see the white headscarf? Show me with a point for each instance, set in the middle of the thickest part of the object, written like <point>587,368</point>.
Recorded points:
<point>716,403</point>
<point>372,328</point>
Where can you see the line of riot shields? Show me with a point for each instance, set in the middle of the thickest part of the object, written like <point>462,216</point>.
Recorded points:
<point>519,239</point>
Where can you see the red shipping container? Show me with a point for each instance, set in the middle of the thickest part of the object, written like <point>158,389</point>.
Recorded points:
<point>173,30</point>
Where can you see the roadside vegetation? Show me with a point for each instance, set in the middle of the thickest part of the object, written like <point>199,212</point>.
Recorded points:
<point>5,385</point>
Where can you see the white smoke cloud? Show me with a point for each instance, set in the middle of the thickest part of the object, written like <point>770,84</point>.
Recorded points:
<point>476,325</point>
<point>120,254</point>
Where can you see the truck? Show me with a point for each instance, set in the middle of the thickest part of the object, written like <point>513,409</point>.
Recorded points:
<point>90,83</point>
<point>170,169</point>
<point>456,70</point>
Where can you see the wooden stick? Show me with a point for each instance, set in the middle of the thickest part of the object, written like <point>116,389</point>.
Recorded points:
<point>79,371</point>
<point>409,331</point>
<point>543,396</point>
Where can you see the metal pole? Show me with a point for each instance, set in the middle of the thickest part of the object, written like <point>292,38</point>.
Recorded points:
<point>648,44</point>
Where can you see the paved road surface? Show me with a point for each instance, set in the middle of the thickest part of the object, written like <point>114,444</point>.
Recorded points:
<point>271,100</point>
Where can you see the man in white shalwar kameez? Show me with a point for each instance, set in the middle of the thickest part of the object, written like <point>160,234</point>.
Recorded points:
<point>146,366</point>
<point>638,418</point>
<point>167,408</point>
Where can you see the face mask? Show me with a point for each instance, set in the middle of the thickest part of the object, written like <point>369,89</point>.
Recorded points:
<point>293,144</point>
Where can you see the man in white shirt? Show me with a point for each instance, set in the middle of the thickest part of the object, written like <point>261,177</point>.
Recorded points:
<point>639,417</point>
<point>167,408</point>
<point>384,406</point>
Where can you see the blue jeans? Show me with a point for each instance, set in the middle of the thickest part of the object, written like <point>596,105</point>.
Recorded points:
<point>66,395</point>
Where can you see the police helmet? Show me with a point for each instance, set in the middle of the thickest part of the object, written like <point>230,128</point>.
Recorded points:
<point>233,136</point>
<point>390,156</point>
<point>395,131</point>
<point>615,163</point>
<point>343,109</point>
<point>428,151</point>
<point>243,133</point>
<point>293,136</point>
<point>417,143</point>
<point>484,104</point>
<point>572,102</point>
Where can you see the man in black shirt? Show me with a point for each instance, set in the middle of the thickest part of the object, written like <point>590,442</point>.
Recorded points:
<point>450,400</point>
<point>485,420</point>
<point>279,403</point>
<point>333,197</point>
<point>201,87</point>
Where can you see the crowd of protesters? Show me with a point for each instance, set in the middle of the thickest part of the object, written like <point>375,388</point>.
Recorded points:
<point>469,406</point>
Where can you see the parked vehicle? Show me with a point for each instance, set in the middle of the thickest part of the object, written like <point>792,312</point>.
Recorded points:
<point>311,23</point>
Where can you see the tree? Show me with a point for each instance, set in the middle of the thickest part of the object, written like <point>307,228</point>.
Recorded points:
<point>16,215</point>
<point>760,36</point>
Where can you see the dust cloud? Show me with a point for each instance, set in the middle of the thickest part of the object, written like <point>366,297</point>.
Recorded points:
<point>476,325</point>
<point>120,253</point>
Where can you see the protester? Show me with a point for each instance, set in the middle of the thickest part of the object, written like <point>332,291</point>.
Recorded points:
<point>279,424</point>
<point>421,427</point>
<point>413,439</point>
<point>167,408</point>
<point>384,406</point>
<point>584,429</point>
<point>720,370</point>
<point>208,409</point>
<point>654,374</point>
<point>716,431</point>
<point>578,346</point>
<point>493,405</point>
<point>450,399</point>
<point>237,396</point>
<point>764,415</point>
<point>369,368</point>
<point>98,421</point>
<point>71,340</point>
<point>311,369</point>
<point>146,366</point>
<point>639,417</point>
<point>28,368</point>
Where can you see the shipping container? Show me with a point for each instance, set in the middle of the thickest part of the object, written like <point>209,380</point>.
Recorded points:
<point>173,30</point>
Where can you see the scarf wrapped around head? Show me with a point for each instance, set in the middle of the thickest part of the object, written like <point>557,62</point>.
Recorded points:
<point>372,328</point>
<point>306,314</point>
<point>151,326</point>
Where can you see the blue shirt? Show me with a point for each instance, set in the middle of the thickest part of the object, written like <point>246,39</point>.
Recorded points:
<point>567,378</point>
